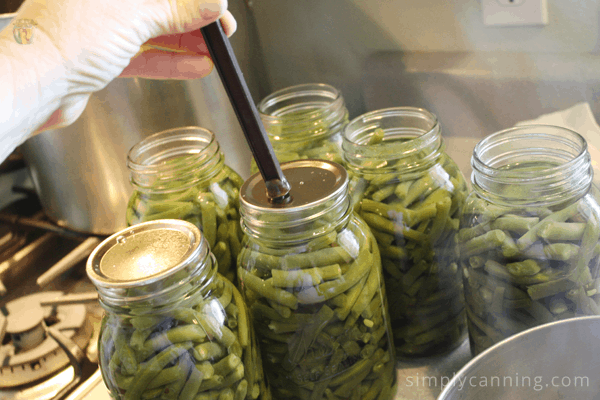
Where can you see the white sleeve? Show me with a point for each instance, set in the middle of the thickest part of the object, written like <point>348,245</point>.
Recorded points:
<point>32,85</point>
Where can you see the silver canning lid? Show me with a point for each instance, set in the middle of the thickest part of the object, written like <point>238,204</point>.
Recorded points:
<point>313,182</point>
<point>145,253</point>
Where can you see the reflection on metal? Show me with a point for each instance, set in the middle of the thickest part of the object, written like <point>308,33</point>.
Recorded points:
<point>68,261</point>
<point>76,357</point>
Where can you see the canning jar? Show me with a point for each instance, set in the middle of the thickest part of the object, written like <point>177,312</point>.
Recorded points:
<point>311,274</point>
<point>411,193</point>
<point>529,234</point>
<point>181,174</point>
<point>305,121</point>
<point>173,327</point>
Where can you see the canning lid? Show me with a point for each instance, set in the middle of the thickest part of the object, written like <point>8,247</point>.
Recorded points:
<point>318,201</point>
<point>145,253</point>
<point>311,181</point>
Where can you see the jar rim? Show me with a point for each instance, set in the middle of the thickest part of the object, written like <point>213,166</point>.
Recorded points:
<point>523,132</point>
<point>182,140</point>
<point>543,165</point>
<point>197,246</point>
<point>318,188</point>
<point>296,91</point>
<point>351,133</point>
<point>419,129</point>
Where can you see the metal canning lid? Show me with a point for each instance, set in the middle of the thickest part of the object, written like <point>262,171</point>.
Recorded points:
<point>145,253</point>
<point>312,182</point>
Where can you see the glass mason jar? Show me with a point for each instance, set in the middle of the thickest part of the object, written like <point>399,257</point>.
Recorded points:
<point>181,174</point>
<point>411,193</point>
<point>529,237</point>
<point>311,275</point>
<point>305,122</point>
<point>173,327</point>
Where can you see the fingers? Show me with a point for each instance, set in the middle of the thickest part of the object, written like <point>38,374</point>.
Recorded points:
<point>191,15</point>
<point>229,23</point>
<point>156,64</point>
<point>187,43</point>
<point>177,56</point>
<point>55,119</point>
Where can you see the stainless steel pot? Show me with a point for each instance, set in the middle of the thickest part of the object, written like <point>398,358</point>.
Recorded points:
<point>80,172</point>
<point>560,360</point>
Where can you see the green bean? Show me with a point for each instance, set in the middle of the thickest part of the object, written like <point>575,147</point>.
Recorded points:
<point>261,311</point>
<point>394,253</point>
<point>466,234</point>
<point>562,230</point>
<point>243,323</point>
<point>357,369</point>
<point>327,290</point>
<point>185,367</point>
<point>514,223</point>
<point>191,385</point>
<point>326,256</point>
<point>283,311</point>
<point>305,277</point>
<point>305,337</point>
<point>560,216</point>
<point>208,351</point>
<point>241,390</point>
<point>152,368</point>
<point>389,227</point>
<point>551,288</point>
<point>194,333</point>
<point>266,289</point>
<point>226,394</point>
<point>369,290</point>
<point>226,295</point>
<point>208,395</point>
<point>226,365</point>
<point>483,243</point>
<point>209,222</point>
<point>523,268</point>
<point>419,188</point>
<point>125,354</point>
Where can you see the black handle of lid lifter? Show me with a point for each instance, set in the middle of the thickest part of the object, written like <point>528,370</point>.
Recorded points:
<point>233,80</point>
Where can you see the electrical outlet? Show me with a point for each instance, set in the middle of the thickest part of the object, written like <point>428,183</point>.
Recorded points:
<point>514,12</point>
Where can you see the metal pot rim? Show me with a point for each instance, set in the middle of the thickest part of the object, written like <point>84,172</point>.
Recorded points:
<point>471,366</point>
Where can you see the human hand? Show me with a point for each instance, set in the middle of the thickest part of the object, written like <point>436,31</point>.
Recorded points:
<point>81,45</point>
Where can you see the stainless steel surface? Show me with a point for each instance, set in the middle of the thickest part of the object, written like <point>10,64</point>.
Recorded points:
<point>424,378</point>
<point>475,94</point>
<point>560,360</point>
<point>69,261</point>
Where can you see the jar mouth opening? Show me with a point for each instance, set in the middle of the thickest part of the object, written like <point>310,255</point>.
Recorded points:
<point>306,99</point>
<point>172,149</point>
<point>547,150</point>
<point>377,139</point>
<point>313,108</point>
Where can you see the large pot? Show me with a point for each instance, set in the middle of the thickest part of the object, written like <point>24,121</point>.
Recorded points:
<point>80,172</point>
<point>559,360</point>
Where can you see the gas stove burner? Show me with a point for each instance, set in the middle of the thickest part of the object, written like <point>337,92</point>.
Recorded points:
<point>28,353</point>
